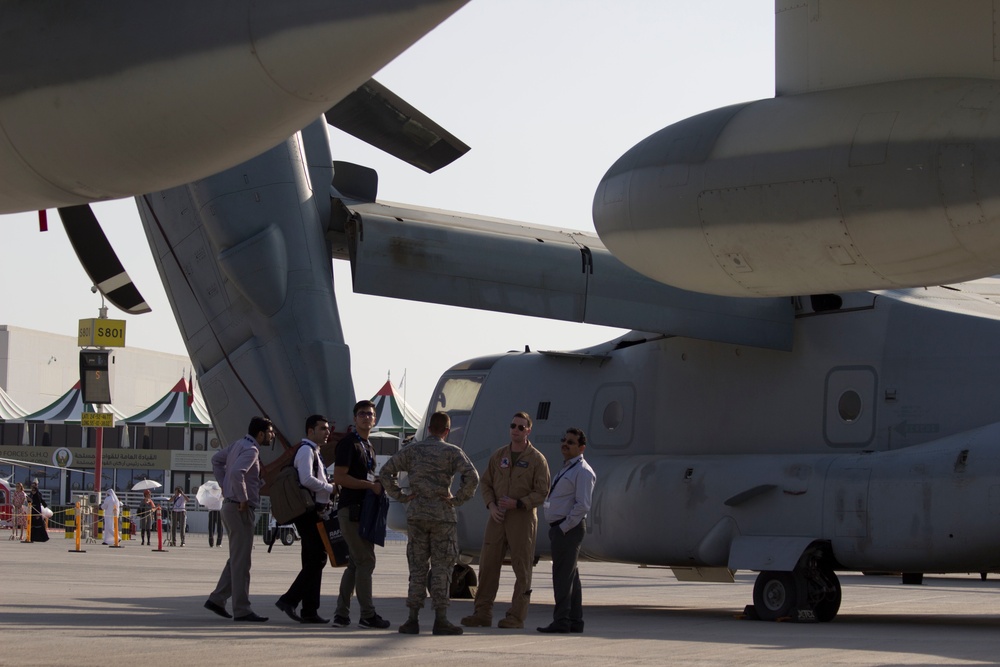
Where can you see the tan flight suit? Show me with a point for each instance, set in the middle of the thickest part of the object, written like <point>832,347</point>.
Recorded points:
<point>527,480</point>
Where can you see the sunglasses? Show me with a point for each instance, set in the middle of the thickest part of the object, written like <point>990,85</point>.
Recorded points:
<point>569,442</point>
<point>519,427</point>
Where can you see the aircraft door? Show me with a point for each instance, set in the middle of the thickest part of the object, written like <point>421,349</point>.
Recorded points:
<point>849,414</point>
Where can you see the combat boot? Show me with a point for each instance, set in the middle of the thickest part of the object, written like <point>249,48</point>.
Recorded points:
<point>510,622</point>
<point>442,626</point>
<point>412,626</point>
<point>476,621</point>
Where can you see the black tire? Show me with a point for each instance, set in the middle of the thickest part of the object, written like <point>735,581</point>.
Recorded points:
<point>287,537</point>
<point>982,575</point>
<point>775,594</point>
<point>268,537</point>
<point>827,608</point>
<point>463,583</point>
<point>913,578</point>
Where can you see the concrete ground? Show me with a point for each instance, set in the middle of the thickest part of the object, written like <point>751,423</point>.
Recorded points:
<point>133,606</point>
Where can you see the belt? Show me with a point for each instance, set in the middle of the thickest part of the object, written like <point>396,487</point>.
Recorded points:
<point>553,524</point>
<point>229,500</point>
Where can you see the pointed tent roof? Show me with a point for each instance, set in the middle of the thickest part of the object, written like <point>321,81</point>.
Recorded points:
<point>174,409</point>
<point>67,409</point>
<point>9,410</point>
<point>392,413</point>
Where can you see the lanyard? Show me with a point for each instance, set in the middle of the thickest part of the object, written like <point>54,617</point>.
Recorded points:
<point>369,451</point>
<point>561,473</point>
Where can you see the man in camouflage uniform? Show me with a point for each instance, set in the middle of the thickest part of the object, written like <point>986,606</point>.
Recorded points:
<point>431,520</point>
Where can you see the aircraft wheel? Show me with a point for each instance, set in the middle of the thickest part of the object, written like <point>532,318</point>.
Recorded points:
<point>913,578</point>
<point>287,537</point>
<point>775,594</point>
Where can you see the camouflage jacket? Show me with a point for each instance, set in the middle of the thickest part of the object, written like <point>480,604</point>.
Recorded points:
<point>430,465</point>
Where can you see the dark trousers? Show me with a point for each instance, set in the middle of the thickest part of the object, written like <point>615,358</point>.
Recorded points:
<point>566,576</point>
<point>214,527</point>
<point>305,588</point>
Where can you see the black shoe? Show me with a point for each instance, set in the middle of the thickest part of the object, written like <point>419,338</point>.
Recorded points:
<point>444,627</point>
<point>251,618</point>
<point>221,611</point>
<point>411,627</point>
<point>576,626</point>
<point>552,627</point>
<point>341,621</point>
<point>314,618</point>
<point>289,609</point>
<point>376,622</point>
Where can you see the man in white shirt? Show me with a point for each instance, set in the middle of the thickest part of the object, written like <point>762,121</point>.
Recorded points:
<point>312,476</point>
<point>565,510</point>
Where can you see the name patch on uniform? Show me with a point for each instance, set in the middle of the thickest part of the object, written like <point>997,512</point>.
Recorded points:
<point>521,464</point>
<point>504,462</point>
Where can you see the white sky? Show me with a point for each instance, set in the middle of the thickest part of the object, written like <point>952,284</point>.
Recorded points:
<point>548,93</point>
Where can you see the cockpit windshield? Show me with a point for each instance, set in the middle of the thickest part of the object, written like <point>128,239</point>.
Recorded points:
<point>456,395</point>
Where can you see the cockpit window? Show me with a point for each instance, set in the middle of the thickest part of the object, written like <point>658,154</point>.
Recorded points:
<point>456,395</point>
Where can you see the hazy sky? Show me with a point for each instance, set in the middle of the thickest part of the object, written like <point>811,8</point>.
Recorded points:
<point>548,93</point>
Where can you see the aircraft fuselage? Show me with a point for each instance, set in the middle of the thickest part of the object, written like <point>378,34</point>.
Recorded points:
<point>874,437</point>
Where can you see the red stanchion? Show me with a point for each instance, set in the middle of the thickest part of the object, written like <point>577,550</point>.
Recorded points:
<point>159,532</point>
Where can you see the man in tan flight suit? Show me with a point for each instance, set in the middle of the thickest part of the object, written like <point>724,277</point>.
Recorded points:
<point>515,482</point>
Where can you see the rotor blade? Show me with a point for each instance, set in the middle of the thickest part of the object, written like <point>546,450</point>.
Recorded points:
<point>377,116</point>
<point>99,259</point>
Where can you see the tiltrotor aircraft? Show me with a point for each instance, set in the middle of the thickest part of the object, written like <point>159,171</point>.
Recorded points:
<point>765,413</point>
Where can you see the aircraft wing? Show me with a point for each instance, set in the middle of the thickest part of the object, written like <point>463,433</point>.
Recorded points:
<point>491,264</point>
<point>821,45</point>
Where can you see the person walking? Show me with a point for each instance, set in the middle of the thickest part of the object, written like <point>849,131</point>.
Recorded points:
<point>312,476</point>
<point>515,482</point>
<point>112,507</point>
<point>39,528</point>
<point>237,469</point>
<point>178,515</point>
<point>215,527</point>
<point>354,473</point>
<point>431,520</point>
<point>565,511</point>
<point>19,501</point>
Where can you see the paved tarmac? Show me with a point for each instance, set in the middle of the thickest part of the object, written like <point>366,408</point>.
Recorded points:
<point>134,606</point>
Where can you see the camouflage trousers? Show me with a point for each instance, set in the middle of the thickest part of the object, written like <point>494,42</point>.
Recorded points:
<point>430,546</point>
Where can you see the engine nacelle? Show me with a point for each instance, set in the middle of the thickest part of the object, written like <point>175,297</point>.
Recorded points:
<point>871,187</point>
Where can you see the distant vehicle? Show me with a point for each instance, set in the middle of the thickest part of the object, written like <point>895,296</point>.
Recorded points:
<point>285,532</point>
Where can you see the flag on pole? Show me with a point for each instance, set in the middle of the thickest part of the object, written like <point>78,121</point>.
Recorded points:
<point>190,392</point>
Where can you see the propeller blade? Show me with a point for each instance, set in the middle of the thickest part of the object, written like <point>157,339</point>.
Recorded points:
<point>99,259</point>
<point>376,115</point>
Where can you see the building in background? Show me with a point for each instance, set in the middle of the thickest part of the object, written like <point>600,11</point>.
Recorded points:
<point>151,438</point>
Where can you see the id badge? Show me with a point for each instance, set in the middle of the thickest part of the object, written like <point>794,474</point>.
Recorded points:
<point>545,504</point>
<point>371,477</point>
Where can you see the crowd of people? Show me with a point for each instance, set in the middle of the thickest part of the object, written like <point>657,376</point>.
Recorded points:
<point>514,485</point>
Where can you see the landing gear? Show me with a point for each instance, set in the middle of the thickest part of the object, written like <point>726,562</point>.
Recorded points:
<point>463,582</point>
<point>775,595</point>
<point>811,592</point>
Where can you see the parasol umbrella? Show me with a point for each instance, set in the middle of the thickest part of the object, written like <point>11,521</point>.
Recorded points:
<point>146,484</point>
<point>210,495</point>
